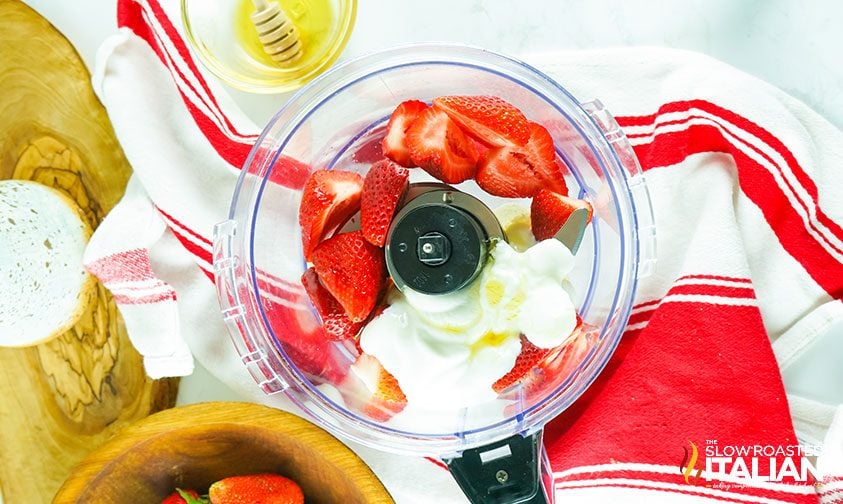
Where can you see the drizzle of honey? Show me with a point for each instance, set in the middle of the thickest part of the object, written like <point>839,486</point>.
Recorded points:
<point>488,340</point>
<point>494,291</point>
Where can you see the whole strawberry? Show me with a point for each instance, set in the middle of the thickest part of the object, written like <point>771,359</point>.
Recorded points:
<point>256,489</point>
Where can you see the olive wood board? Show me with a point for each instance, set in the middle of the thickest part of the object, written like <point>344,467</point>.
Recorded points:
<point>61,399</point>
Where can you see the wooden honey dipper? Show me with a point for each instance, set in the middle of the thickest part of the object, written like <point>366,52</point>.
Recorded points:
<point>279,36</point>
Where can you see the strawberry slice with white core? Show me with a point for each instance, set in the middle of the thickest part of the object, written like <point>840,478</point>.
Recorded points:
<point>529,357</point>
<point>440,147</point>
<point>335,322</point>
<point>329,198</point>
<point>384,186</point>
<point>490,119</point>
<point>520,172</point>
<point>536,364</point>
<point>549,211</point>
<point>561,362</point>
<point>353,271</point>
<point>394,144</point>
<point>372,390</point>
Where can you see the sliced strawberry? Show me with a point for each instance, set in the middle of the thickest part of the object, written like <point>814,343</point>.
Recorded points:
<point>304,339</point>
<point>481,148</point>
<point>562,362</point>
<point>550,372</point>
<point>321,362</point>
<point>335,322</point>
<point>353,271</point>
<point>528,358</point>
<point>534,362</point>
<point>383,188</point>
<point>519,172</point>
<point>372,390</point>
<point>289,172</point>
<point>549,211</point>
<point>394,143</point>
<point>491,119</point>
<point>329,198</point>
<point>439,146</point>
<point>371,151</point>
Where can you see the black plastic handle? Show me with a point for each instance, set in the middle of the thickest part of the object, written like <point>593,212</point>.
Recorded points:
<point>504,472</point>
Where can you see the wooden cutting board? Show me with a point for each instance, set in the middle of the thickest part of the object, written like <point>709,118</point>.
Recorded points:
<point>62,399</point>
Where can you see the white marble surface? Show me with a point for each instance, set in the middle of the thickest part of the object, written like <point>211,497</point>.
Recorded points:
<point>793,45</point>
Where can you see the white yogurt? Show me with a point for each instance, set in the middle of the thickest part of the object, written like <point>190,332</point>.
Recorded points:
<point>447,351</point>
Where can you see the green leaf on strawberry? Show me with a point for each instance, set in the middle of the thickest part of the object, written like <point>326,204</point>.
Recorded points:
<point>190,499</point>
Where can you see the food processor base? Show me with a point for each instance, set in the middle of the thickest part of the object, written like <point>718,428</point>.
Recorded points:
<point>509,471</point>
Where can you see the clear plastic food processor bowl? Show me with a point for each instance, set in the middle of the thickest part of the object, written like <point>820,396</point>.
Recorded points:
<point>335,123</point>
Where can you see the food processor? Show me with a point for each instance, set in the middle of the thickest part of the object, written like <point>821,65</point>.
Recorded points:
<point>437,243</point>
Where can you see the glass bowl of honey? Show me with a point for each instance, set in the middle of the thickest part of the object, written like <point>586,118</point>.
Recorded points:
<point>226,38</point>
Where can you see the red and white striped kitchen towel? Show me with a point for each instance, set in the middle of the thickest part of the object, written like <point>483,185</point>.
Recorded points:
<point>748,201</point>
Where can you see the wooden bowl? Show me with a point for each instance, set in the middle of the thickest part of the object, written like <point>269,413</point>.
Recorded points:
<point>193,446</point>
